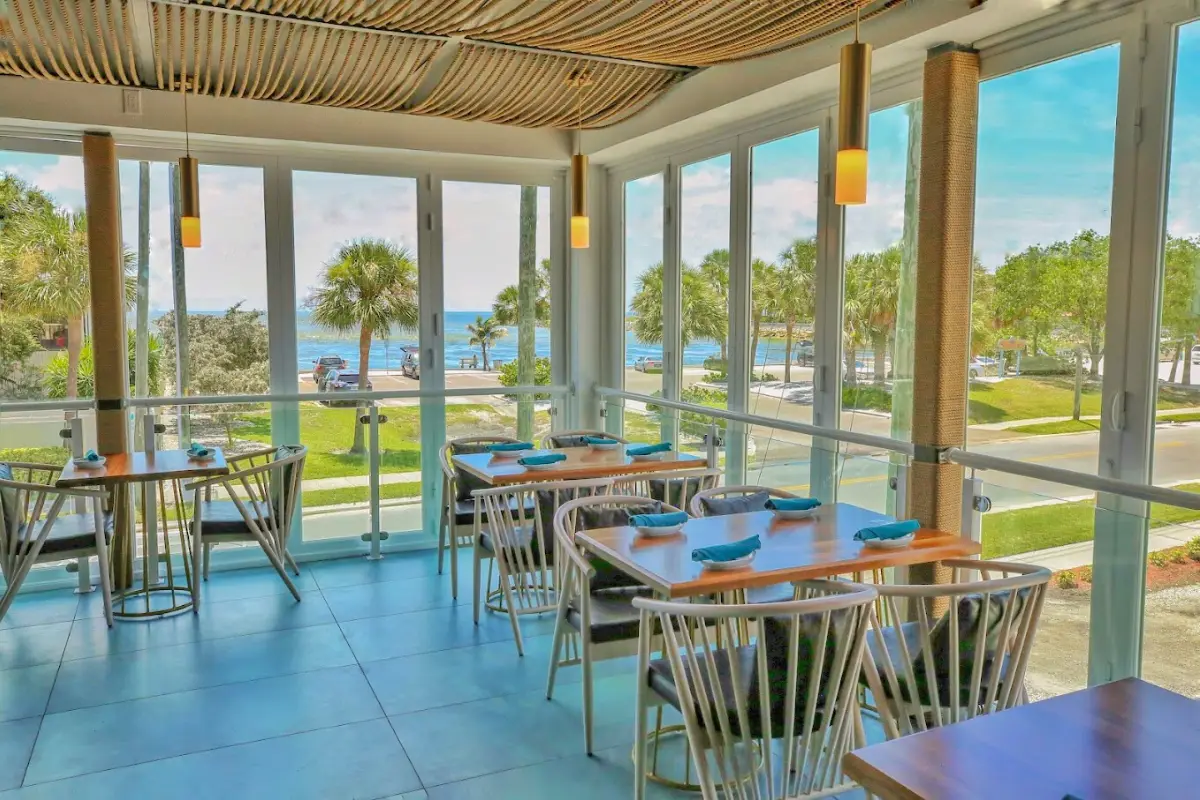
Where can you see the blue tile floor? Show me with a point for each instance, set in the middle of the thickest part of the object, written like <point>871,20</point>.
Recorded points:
<point>377,685</point>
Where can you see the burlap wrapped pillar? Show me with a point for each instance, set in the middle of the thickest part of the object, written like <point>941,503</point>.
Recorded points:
<point>107,272</point>
<point>945,241</point>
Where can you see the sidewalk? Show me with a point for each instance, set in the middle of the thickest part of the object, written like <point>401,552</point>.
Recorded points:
<point>1072,556</point>
<point>1016,423</point>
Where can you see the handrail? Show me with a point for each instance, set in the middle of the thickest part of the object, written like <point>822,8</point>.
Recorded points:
<point>850,437</point>
<point>292,397</point>
<point>1095,483</point>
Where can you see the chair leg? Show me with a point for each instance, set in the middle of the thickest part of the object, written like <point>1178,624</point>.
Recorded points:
<point>442,523</point>
<point>639,740</point>
<point>478,559</point>
<point>197,556</point>
<point>510,603</point>
<point>453,544</point>
<point>291,562</point>
<point>586,659</point>
<point>207,559</point>
<point>102,563</point>
<point>555,653</point>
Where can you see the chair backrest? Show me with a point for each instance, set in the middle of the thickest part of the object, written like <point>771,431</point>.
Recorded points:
<point>586,513</point>
<point>272,484</point>
<point>29,506</point>
<point>458,484</point>
<point>970,660</point>
<point>675,488</point>
<point>576,438</point>
<point>747,674</point>
<point>722,500</point>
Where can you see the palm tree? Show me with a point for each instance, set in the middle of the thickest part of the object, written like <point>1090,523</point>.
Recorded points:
<point>504,307</point>
<point>485,333</point>
<point>715,270</point>
<point>872,292</point>
<point>46,255</point>
<point>371,286</point>
<point>791,293</point>
<point>702,316</point>
<point>761,276</point>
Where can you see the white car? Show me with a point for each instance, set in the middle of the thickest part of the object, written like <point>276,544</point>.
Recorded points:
<point>1196,354</point>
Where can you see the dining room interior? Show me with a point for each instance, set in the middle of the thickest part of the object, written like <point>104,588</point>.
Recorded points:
<point>599,399</point>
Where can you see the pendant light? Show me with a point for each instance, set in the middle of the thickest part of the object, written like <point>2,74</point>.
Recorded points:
<point>580,225</point>
<point>854,109</point>
<point>189,186</point>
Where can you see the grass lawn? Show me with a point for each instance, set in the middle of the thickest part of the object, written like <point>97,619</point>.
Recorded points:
<point>1030,398</point>
<point>1193,416</point>
<point>359,494</point>
<point>36,455</point>
<point>1007,533</point>
<point>1062,426</point>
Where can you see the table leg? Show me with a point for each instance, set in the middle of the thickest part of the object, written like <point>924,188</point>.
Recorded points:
<point>122,544</point>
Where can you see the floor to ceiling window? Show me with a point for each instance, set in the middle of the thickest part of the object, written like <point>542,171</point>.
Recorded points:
<point>1040,284</point>
<point>643,301</point>
<point>357,319</point>
<point>783,258</point>
<point>1173,568</point>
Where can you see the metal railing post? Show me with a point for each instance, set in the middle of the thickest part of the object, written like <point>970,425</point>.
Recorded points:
<point>150,520</point>
<point>376,535</point>
<point>899,486</point>
<point>973,506</point>
<point>83,566</point>
<point>713,442</point>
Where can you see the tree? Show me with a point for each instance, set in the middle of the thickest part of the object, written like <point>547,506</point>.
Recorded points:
<point>484,335</point>
<point>872,289</point>
<point>504,307</point>
<point>761,275</point>
<point>791,293</point>
<point>984,333</point>
<point>1024,301</point>
<point>371,286</point>
<point>715,270</point>
<point>1079,287</point>
<point>46,255</point>
<point>701,311</point>
<point>1181,299</point>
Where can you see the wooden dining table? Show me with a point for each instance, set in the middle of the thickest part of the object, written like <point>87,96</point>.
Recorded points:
<point>582,463</point>
<point>818,547</point>
<point>161,474</point>
<point>1128,740</point>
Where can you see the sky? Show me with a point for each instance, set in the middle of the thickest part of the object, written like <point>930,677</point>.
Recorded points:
<point>1044,172</point>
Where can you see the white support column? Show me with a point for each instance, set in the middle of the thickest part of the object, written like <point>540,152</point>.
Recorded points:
<point>612,301</point>
<point>432,337</point>
<point>827,379</point>
<point>672,300</point>
<point>740,359</point>
<point>1145,86</point>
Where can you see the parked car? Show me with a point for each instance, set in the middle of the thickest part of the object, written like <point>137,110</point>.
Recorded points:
<point>981,366</point>
<point>325,363</point>
<point>1196,354</point>
<point>336,381</point>
<point>644,364</point>
<point>410,367</point>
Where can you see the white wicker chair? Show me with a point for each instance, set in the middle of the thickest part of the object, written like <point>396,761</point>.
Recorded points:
<point>596,619</point>
<point>515,532</point>
<point>676,488</point>
<point>575,438</point>
<point>34,529</point>
<point>989,623</point>
<point>456,528</point>
<point>767,691</point>
<point>262,492</point>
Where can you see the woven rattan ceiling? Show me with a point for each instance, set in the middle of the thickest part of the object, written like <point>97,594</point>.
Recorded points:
<point>503,61</point>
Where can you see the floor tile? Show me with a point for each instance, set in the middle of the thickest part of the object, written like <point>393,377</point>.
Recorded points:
<point>392,567</point>
<point>471,739</point>
<point>222,587</point>
<point>24,692</point>
<point>40,608</point>
<point>381,598</point>
<point>37,644</point>
<point>459,675</point>
<point>121,734</point>
<point>90,637</point>
<point>16,743</point>
<point>358,761</point>
<point>194,665</point>
<point>377,638</point>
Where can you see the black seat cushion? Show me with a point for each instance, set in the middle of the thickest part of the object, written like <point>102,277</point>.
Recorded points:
<point>734,504</point>
<point>578,440</point>
<point>524,535</point>
<point>69,532</point>
<point>464,511</point>
<point>465,482</point>
<point>591,517</point>
<point>676,491</point>
<point>220,517</point>
<point>777,637</point>
<point>970,617</point>
<point>779,593</point>
<point>613,617</point>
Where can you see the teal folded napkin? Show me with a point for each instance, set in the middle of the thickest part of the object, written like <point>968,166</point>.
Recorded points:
<point>91,455</point>
<point>598,440</point>
<point>727,552</point>
<point>198,450</point>
<point>890,530</point>
<point>793,503</point>
<point>648,449</point>
<point>509,447</point>
<point>537,461</point>
<point>658,520</point>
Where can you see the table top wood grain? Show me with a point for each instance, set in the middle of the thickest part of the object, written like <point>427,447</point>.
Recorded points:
<point>792,550</point>
<point>143,467</point>
<point>1127,740</point>
<point>582,463</point>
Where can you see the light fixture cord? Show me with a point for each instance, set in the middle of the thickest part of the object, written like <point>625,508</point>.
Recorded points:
<point>579,113</point>
<point>857,13</point>
<point>187,135</point>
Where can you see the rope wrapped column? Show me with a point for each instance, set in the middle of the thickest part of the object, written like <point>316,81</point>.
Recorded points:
<point>945,241</point>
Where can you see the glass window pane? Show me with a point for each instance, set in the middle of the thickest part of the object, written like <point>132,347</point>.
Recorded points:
<point>783,254</point>
<point>643,221</point>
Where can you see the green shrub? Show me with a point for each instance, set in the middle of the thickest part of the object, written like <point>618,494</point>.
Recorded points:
<point>1159,558</point>
<point>715,364</point>
<point>693,422</point>
<point>723,376</point>
<point>1043,365</point>
<point>54,376</point>
<point>1066,580</point>
<point>872,398</point>
<point>1193,548</point>
<point>541,375</point>
<point>1085,574</point>
<point>1178,555</point>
